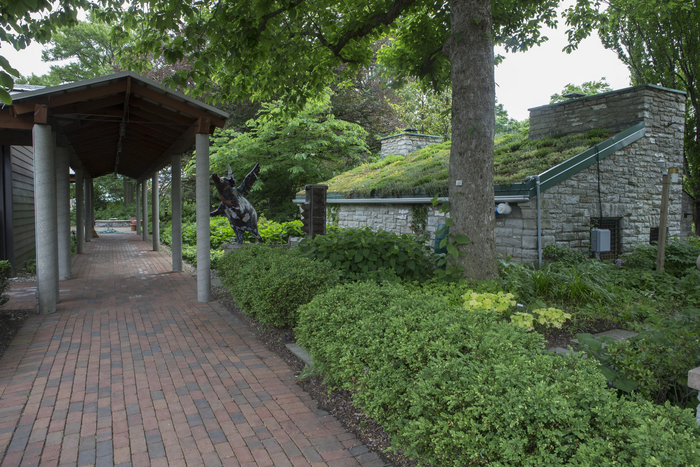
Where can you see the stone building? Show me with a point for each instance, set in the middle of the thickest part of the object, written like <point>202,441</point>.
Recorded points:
<point>616,185</point>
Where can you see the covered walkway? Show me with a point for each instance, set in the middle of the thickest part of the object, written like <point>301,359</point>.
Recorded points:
<point>133,370</point>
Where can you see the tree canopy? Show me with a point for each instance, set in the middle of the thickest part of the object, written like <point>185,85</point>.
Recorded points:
<point>589,88</point>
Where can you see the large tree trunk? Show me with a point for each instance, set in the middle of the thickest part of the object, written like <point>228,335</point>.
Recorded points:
<point>471,161</point>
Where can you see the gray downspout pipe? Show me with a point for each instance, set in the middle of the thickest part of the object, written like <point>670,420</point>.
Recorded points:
<point>539,225</point>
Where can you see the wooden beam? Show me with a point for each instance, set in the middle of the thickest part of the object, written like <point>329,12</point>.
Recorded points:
<point>89,106</point>
<point>204,124</point>
<point>180,106</point>
<point>41,114</point>
<point>57,100</point>
<point>182,144</point>
<point>11,122</point>
<point>13,137</point>
<point>157,113</point>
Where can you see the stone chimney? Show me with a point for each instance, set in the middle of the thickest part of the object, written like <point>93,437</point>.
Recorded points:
<point>407,141</point>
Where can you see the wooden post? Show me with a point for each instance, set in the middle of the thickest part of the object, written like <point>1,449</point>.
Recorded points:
<point>660,255</point>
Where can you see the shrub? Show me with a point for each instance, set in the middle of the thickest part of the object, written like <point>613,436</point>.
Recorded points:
<point>271,283</point>
<point>5,272</point>
<point>659,358</point>
<point>455,388</point>
<point>362,253</point>
<point>681,256</point>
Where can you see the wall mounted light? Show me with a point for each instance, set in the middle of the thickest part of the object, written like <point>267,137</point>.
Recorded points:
<point>504,209</point>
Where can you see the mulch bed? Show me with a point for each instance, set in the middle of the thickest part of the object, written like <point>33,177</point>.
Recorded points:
<point>339,403</point>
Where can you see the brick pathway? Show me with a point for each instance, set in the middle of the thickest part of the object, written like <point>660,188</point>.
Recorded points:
<point>133,371</point>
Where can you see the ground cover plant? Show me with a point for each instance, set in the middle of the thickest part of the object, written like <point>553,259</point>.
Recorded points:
<point>270,284</point>
<point>424,172</point>
<point>364,253</point>
<point>455,388</point>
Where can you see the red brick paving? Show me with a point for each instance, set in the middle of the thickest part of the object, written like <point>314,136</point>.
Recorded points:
<point>133,371</point>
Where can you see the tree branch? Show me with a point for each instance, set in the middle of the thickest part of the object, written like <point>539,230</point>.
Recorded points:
<point>373,22</point>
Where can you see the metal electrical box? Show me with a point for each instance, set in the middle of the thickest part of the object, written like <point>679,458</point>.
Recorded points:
<point>600,240</point>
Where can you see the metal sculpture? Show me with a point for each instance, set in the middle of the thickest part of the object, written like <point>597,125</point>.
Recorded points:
<point>241,214</point>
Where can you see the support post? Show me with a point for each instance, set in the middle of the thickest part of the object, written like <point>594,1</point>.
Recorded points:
<point>203,207</point>
<point>80,210</point>
<point>155,211</point>
<point>63,212</point>
<point>88,198</point>
<point>661,251</point>
<point>45,219</point>
<point>176,201</point>
<point>137,202</point>
<point>144,196</point>
<point>92,207</point>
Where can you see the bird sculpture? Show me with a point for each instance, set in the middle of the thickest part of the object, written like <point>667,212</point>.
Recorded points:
<point>241,214</point>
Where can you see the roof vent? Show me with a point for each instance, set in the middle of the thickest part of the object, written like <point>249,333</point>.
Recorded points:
<point>574,95</point>
<point>410,130</point>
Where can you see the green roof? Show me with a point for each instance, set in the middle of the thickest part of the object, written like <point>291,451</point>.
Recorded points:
<point>425,172</point>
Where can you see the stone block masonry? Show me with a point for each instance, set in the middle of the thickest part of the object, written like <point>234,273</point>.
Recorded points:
<point>406,143</point>
<point>630,179</point>
<point>614,110</point>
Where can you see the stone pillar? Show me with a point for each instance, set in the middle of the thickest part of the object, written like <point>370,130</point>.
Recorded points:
<point>45,218</point>
<point>155,213</point>
<point>79,210</point>
<point>63,211</point>
<point>137,202</point>
<point>144,196</point>
<point>203,206</point>
<point>176,201</point>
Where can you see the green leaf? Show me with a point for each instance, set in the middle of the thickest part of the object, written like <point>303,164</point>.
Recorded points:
<point>609,374</point>
<point>453,251</point>
<point>625,384</point>
<point>448,222</point>
<point>461,239</point>
<point>6,66</point>
<point>5,97</point>
<point>358,257</point>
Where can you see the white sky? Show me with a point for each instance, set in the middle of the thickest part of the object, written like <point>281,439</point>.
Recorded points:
<point>523,80</point>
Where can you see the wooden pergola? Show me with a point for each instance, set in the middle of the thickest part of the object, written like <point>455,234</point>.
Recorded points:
<point>121,123</point>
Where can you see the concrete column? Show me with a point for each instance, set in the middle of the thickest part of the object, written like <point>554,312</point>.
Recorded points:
<point>88,202</point>
<point>92,206</point>
<point>176,201</point>
<point>79,210</point>
<point>138,208</point>
<point>155,211</point>
<point>45,218</point>
<point>144,196</point>
<point>63,211</point>
<point>203,206</point>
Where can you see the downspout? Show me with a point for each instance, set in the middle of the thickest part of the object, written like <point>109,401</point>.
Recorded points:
<point>539,225</point>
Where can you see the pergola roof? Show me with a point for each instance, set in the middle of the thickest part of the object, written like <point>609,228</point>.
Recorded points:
<point>122,123</point>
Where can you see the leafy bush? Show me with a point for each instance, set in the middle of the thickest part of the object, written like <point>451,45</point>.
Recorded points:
<point>563,254</point>
<point>681,256</point>
<point>455,388</point>
<point>363,253</point>
<point>656,362</point>
<point>276,233</point>
<point>271,283</point>
<point>5,272</point>
<point>115,210</point>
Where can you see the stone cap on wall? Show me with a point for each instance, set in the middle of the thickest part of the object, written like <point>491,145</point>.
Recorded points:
<point>614,110</point>
<point>605,94</point>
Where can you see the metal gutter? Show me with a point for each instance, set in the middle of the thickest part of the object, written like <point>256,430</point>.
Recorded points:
<point>422,200</point>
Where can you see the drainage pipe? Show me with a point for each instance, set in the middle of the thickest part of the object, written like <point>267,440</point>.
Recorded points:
<point>539,224</point>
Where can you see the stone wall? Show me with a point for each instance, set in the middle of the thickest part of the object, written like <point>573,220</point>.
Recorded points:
<point>406,142</point>
<point>614,110</point>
